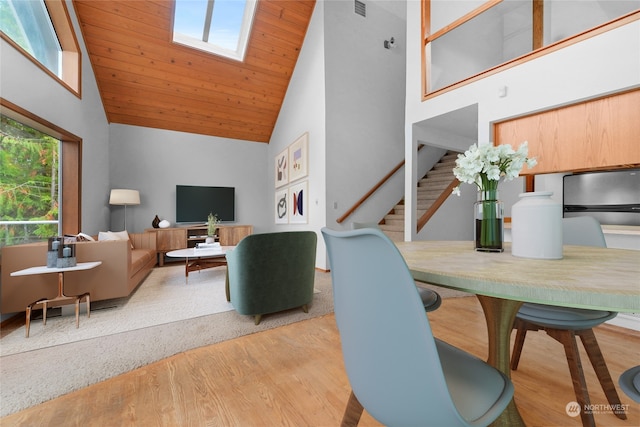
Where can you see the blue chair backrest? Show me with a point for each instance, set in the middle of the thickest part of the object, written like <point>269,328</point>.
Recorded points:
<point>582,231</point>
<point>388,348</point>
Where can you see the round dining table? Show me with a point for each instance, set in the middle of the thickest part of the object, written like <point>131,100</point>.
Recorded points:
<point>585,277</point>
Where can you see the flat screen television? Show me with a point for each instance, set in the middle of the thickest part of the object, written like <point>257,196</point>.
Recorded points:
<point>194,203</point>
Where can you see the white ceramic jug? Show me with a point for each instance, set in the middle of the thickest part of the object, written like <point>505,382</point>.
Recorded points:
<point>536,226</point>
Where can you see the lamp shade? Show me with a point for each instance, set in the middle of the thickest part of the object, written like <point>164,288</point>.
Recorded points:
<point>121,196</point>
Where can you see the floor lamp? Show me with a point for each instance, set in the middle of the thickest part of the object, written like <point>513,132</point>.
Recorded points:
<point>124,197</point>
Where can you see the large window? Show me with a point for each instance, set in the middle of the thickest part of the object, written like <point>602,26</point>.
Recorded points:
<point>220,27</point>
<point>42,31</point>
<point>29,183</point>
<point>465,39</point>
<point>40,186</point>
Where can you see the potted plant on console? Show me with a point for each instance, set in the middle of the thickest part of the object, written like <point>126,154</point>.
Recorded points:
<point>212,227</point>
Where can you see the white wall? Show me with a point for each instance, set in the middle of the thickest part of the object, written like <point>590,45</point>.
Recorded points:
<point>600,65</point>
<point>303,110</point>
<point>153,161</point>
<point>347,91</point>
<point>27,86</point>
<point>365,106</point>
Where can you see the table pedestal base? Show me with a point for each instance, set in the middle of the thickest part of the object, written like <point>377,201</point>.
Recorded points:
<point>500,314</point>
<point>60,297</point>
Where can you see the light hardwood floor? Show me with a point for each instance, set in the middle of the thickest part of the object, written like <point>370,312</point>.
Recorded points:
<point>294,376</point>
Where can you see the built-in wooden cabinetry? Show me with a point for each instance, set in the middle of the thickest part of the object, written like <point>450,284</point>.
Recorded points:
<point>232,234</point>
<point>169,239</point>
<point>597,134</point>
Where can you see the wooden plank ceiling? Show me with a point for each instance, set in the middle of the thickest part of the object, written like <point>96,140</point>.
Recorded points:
<point>145,79</point>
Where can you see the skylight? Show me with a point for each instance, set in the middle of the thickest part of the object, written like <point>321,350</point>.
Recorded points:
<point>220,27</point>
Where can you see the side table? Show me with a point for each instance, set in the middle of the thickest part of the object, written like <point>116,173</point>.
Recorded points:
<point>61,296</point>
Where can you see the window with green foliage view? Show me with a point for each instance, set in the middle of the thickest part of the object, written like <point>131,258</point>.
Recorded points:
<point>29,183</point>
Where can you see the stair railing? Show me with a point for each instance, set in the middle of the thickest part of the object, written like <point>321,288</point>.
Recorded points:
<point>369,193</point>
<point>422,221</point>
<point>373,189</point>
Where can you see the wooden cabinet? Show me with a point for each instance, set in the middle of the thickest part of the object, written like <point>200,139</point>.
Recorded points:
<point>597,134</point>
<point>231,235</point>
<point>169,239</point>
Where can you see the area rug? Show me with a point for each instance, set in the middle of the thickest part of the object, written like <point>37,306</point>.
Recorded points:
<point>132,333</point>
<point>163,297</point>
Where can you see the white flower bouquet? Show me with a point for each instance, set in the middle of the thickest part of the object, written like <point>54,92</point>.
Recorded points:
<point>486,164</point>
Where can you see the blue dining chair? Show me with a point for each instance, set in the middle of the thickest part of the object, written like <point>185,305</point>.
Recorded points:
<point>629,382</point>
<point>565,324</point>
<point>431,300</point>
<point>398,371</point>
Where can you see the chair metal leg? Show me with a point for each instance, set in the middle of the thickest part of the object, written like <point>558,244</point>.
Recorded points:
<point>305,308</point>
<point>257,318</point>
<point>602,372</point>
<point>352,412</point>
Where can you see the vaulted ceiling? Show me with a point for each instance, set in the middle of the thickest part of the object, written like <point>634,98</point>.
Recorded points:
<point>145,79</point>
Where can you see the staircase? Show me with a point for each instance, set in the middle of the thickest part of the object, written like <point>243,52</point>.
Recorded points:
<point>430,187</point>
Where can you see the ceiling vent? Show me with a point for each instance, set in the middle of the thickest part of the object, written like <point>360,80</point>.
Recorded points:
<point>361,8</point>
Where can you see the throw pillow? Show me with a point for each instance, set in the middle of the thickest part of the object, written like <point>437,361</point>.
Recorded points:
<point>106,235</point>
<point>114,235</point>
<point>122,235</point>
<point>83,237</point>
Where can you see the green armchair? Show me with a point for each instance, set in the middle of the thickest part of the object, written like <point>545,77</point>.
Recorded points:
<point>271,272</point>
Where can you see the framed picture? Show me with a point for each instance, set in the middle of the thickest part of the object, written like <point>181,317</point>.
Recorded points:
<point>299,158</point>
<point>282,168</point>
<point>281,206</point>
<point>298,203</point>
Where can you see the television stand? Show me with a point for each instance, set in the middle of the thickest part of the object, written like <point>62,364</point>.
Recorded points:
<point>171,239</point>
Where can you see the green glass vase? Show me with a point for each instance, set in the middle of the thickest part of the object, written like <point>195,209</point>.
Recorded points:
<point>489,222</point>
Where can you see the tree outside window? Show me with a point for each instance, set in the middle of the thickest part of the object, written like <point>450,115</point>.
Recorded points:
<point>29,183</point>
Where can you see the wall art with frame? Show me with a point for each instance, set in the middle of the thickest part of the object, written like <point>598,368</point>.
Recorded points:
<point>282,206</point>
<point>298,203</point>
<point>299,158</point>
<point>282,168</point>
